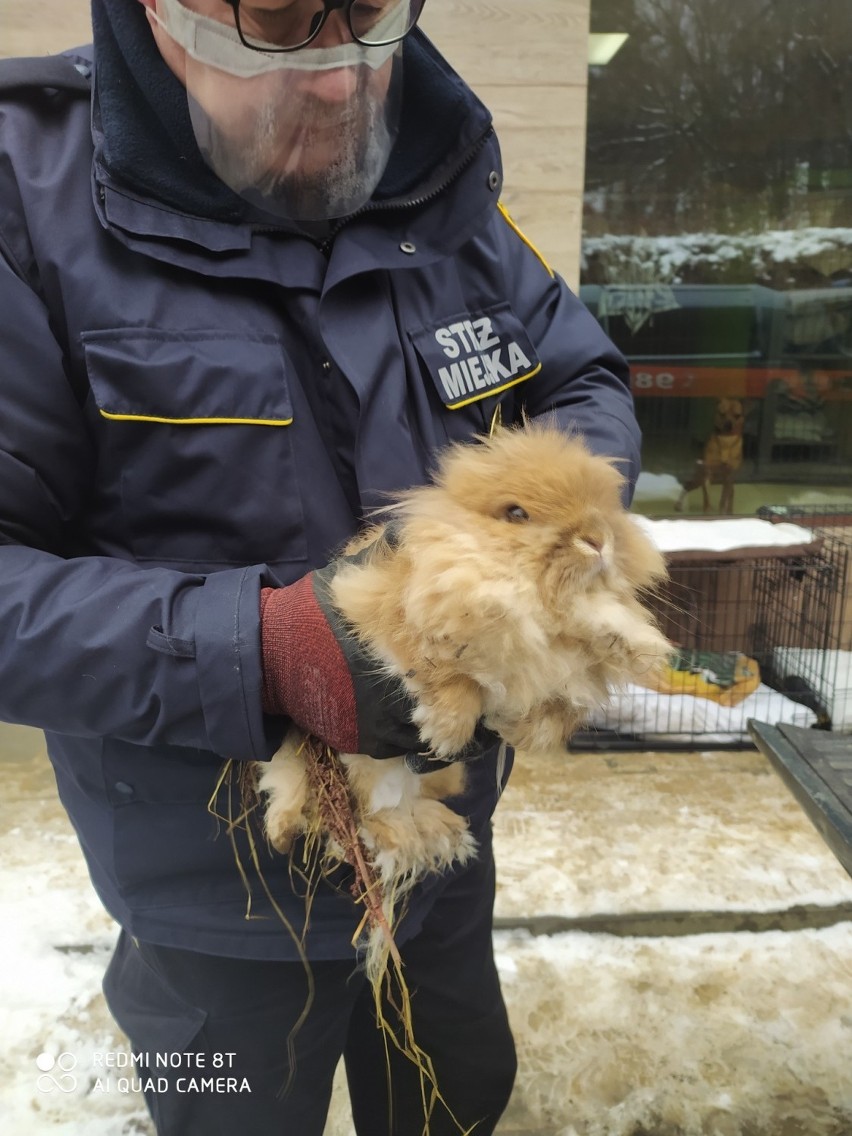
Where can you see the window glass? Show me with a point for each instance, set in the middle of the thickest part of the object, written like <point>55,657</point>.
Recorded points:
<point>717,246</point>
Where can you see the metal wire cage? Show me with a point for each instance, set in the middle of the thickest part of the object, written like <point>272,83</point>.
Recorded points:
<point>832,525</point>
<point>758,633</point>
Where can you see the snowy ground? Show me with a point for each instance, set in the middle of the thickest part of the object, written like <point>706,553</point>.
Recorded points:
<point>724,1034</point>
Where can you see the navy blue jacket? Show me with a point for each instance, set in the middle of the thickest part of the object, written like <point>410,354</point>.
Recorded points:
<point>193,408</point>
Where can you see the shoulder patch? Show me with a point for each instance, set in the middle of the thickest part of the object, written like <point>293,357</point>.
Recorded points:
<point>56,72</point>
<point>474,355</point>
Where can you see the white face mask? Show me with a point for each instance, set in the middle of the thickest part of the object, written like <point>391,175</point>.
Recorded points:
<point>303,135</point>
<point>219,45</point>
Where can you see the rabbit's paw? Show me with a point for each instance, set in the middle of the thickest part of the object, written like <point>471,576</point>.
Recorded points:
<point>283,782</point>
<point>282,827</point>
<point>406,845</point>
<point>446,733</point>
<point>445,835</point>
<point>394,846</point>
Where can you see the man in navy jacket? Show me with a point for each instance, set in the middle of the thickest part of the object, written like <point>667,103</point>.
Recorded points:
<point>254,274</point>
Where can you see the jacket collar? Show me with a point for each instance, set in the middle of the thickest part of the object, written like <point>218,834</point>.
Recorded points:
<point>387,236</point>
<point>146,141</point>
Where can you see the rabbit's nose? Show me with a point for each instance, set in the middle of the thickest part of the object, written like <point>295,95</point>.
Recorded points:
<point>595,551</point>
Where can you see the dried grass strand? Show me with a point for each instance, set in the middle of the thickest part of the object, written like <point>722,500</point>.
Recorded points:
<point>242,822</point>
<point>327,780</point>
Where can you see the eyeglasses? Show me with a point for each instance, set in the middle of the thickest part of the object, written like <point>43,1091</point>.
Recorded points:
<point>293,25</point>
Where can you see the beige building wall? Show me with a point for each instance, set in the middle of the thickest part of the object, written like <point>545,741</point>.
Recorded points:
<point>526,59</point>
<point>38,27</point>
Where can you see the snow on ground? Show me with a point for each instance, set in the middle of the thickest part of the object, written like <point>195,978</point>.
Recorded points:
<point>584,834</point>
<point>53,952</point>
<point>705,1035</point>
<point>718,1034</point>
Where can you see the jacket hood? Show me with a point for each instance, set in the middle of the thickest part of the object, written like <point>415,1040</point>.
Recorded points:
<point>148,144</point>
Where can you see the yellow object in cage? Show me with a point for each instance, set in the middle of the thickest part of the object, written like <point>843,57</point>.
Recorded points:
<point>726,677</point>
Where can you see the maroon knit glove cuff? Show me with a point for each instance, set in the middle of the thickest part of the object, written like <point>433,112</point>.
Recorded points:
<point>305,674</point>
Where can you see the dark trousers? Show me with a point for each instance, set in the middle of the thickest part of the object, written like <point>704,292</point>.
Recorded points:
<point>230,1019</point>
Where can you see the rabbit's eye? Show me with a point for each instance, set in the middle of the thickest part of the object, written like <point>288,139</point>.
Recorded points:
<point>516,513</point>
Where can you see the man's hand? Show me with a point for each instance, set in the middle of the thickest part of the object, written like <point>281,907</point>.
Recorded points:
<point>315,672</point>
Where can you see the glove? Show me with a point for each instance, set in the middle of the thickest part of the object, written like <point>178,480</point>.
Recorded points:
<point>316,673</point>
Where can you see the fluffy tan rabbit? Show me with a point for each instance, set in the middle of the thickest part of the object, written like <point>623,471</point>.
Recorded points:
<point>509,594</point>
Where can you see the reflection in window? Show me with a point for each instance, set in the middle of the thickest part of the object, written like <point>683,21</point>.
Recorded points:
<point>717,245</point>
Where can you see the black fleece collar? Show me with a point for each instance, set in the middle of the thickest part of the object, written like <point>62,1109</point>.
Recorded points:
<point>148,141</point>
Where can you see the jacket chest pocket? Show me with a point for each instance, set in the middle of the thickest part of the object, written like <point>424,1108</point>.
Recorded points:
<point>196,446</point>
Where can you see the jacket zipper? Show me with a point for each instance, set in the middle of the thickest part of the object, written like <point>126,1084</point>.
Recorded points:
<point>415,202</point>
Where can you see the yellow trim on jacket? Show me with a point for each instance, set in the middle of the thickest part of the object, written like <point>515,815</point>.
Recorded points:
<point>197,421</point>
<point>513,226</point>
<point>489,393</point>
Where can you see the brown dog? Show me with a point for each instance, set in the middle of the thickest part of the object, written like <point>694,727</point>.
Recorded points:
<point>723,456</point>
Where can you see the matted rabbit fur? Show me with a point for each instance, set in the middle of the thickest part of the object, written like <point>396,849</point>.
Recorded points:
<point>510,596</point>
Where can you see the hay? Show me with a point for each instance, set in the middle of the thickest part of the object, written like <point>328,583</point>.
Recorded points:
<point>331,803</point>
<point>332,838</point>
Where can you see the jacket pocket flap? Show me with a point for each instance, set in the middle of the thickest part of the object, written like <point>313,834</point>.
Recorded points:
<point>202,378</point>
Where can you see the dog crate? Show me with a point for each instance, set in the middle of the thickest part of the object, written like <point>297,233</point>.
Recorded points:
<point>832,525</point>
<point>756,631</point>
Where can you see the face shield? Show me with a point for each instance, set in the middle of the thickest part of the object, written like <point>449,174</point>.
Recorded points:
<point>303,135</point>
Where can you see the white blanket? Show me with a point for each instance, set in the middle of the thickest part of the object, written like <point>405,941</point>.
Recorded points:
<point>683,718</point>
<point>834,687</point>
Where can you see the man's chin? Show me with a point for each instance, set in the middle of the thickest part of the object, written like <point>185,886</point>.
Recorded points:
<point>304,171</point>
<point>299,197</point>
<point>320,182</point>
<point>310,169</point>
